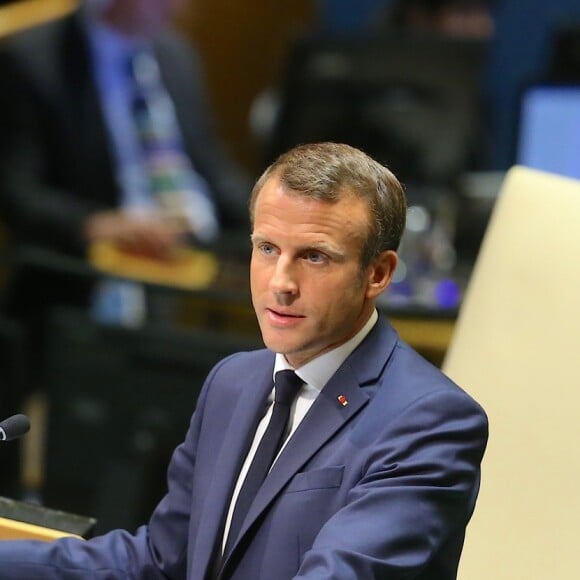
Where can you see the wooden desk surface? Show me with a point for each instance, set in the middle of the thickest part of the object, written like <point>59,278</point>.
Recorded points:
<point>14,530</point>
<point>429,336</point>
<point>21,15</point>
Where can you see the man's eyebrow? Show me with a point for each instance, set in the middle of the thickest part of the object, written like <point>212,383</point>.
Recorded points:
<point>255,238</point>
<point>324,247</point>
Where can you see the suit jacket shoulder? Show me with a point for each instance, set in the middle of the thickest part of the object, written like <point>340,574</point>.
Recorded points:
<point>43,53</point>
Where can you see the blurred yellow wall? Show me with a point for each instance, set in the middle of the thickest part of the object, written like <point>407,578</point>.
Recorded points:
<point>243,45</point>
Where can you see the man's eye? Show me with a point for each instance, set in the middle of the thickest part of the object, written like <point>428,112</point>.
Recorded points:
<point>267,249</point>
<point>314,257</point>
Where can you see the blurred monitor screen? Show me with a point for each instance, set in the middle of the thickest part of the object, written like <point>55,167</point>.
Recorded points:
<point>412,102</point>
<point>549,133</point>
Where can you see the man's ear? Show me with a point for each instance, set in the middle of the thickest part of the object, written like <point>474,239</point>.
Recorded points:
<point>380,273</point>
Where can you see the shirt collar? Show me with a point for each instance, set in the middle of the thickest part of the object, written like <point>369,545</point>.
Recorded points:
<point>318,371</point>
<point>109,46</point>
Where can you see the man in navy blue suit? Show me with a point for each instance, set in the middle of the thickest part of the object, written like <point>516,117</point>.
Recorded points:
<point>378,473</point>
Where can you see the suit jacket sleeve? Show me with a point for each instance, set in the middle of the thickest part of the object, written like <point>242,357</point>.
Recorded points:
<point>157,551</point>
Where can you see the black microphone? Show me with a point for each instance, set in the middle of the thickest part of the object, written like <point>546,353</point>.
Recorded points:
<point>14,427</point>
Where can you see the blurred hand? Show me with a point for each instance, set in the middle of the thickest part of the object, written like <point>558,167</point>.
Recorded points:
<point>151,235</point>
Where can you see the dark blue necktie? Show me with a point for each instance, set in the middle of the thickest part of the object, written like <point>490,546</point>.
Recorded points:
<point>286,386</point>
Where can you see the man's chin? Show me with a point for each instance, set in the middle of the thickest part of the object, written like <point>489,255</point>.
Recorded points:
<point>279,344</point>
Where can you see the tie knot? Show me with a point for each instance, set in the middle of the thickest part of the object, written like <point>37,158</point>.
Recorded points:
<point>143,70</point>
<point>286,386</point>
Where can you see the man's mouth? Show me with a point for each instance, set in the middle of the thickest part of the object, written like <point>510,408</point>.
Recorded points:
<point>278,312</point>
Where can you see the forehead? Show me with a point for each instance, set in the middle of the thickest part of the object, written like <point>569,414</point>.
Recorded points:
<point>284,211</point>
<point>137,4</point>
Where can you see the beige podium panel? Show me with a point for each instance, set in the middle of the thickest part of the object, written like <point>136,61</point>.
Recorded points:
<point>516,349</point>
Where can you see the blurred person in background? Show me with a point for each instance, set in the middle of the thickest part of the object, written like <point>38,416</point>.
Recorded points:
<point>74,167</point>
<point>452,18</point>
<point>456,17</point>
<point>463,20</point>
<point>106,135</point>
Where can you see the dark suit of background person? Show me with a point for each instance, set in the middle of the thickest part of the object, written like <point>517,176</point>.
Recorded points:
<point>56,162</point>
<point>379,478</point>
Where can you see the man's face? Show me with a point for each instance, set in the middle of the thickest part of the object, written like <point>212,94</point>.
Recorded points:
<point>141,17</point>
<point>466,21</point>
<point>308,290</point>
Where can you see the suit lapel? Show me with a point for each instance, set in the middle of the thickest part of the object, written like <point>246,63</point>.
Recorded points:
<point>327,415</point>
<point>88,123</point>
<point>324,419</point>
<point>238,438</point>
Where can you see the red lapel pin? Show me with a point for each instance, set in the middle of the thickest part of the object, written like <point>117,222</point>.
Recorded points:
<point>342,400</point>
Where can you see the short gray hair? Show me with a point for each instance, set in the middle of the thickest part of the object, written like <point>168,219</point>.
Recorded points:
<point>330,171</point>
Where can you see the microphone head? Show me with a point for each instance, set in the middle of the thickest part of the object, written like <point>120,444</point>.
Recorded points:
<point>14,427</point>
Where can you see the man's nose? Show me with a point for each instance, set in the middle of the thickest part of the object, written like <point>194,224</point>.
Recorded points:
<point>283,280</point>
